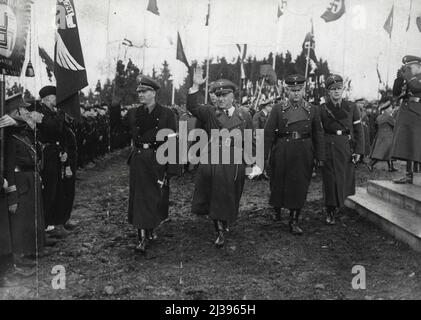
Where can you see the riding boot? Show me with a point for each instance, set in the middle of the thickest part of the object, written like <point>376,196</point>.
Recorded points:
<point>390,166</point>
<point>330,215</point>
<point>277,214</point>
<point>142,237</point>
<point>409,176</point>
<point>220,237</point>
<point>293,224</point>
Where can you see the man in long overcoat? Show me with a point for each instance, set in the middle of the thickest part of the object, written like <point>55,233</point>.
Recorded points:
<point>406,145</point>
<point>344,141</point>
<point>219,186</point>
<point>294,137</point>
<point>149,180</point>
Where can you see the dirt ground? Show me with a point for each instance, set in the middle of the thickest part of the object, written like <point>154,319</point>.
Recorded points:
<point>261,260</point>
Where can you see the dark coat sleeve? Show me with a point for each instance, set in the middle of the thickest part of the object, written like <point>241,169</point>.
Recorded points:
<point>52,125</point>
<point>318,135</point>
<point>270,127</point>
<point>358,131</point>
<point>10,164</point>
<point>199,111</point>
<point>171,123</point>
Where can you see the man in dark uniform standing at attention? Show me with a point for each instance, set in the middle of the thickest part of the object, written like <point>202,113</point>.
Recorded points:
<point>344,140</point>
<point>149,184</point>
<point>294,136</point>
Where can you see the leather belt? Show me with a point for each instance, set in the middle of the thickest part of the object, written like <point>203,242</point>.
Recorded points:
<point>338,133</point>
<point>145,145</point>
<point>294,135</point>
<point>24,168</point>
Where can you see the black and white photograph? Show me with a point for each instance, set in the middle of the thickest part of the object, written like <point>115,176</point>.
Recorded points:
<point>228,151</point>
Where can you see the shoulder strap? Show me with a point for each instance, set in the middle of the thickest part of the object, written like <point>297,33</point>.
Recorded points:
<point>334,118</point>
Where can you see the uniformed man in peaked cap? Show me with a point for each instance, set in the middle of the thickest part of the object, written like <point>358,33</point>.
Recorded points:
<point>406,145</point>
<point>218,187</point>
<point>149,180</point>
<point>344,140</point>
<point>294,138</point>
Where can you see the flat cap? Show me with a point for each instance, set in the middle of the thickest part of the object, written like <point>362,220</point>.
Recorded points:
<point>15,102</point>
<point>295,80</point>
<point>411,59</point>
<point>334,81</point>
<point>223,86</point>
<point>144,82</point>
<point>47,91</point>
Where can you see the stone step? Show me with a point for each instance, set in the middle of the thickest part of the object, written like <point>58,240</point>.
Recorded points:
<point>400,223</point>
<point>406,196</point>
<point>417,179</point>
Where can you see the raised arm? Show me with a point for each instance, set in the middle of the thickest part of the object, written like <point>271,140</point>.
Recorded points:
<point>199,111</point>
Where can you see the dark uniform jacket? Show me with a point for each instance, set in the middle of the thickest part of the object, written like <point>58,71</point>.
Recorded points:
<point>406,140</point>
<point>292,159</point>
<point>259,120</point>
<point>149,197</point>
<point>338,170</point>
<point>21,162</point>
<point>219,187</point>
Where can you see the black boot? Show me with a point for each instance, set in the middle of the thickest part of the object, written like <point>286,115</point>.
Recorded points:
<point>141,246</point>
<point>277,216</point>
<point>371,165</point>
<point>391,167</point>
<point>330,215</point>
<point>407,179</point>
<point>293,224</point>
<point>220,237</point>
<point>151,235</point>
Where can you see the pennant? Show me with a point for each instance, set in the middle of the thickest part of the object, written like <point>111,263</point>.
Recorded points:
<point>335,11</point>
<point>242,50</point>
<point>180,51</point>
<point>69,65</point>
<point>281,8</point>
<point>46,59</point>
<point>419,23</point>
<point>378,75</point>
<point>388,25</point>
<point>153,7</point>
<point>409,16</point>
<point>208,15</point>
<point>15,21</point>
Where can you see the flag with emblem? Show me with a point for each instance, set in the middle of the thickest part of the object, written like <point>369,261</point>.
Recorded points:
<point>153,7</point>
<point>69,65</point>
<point>335,10</point>
<point>242,52</point>
<point>180,51</point>
<point>15,21</point>
<point>388,25</point>
<point>281,8</point>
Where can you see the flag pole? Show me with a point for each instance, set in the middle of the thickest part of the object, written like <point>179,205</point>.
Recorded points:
<point>208,58</point>
<point>2,111</point>
<point>390,48</point>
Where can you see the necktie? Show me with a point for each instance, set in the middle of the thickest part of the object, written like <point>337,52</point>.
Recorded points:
<point>227,113</point>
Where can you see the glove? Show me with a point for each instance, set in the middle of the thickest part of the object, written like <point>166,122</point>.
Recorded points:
<point>5,184</point>
<point>13,208</point>
<point>69,172</point>
<point>356,158</point>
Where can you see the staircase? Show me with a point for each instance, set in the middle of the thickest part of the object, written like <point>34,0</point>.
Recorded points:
<point>396,208</point>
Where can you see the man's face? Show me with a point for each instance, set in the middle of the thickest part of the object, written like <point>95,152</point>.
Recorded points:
<point>295,94</point>
<point>50,100</point>
<point>268,108</point>
<point>336,93</point>
<point>414,68</point>
<point>146,96</point>
<point>214,99</point>
<point>225,100</point>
